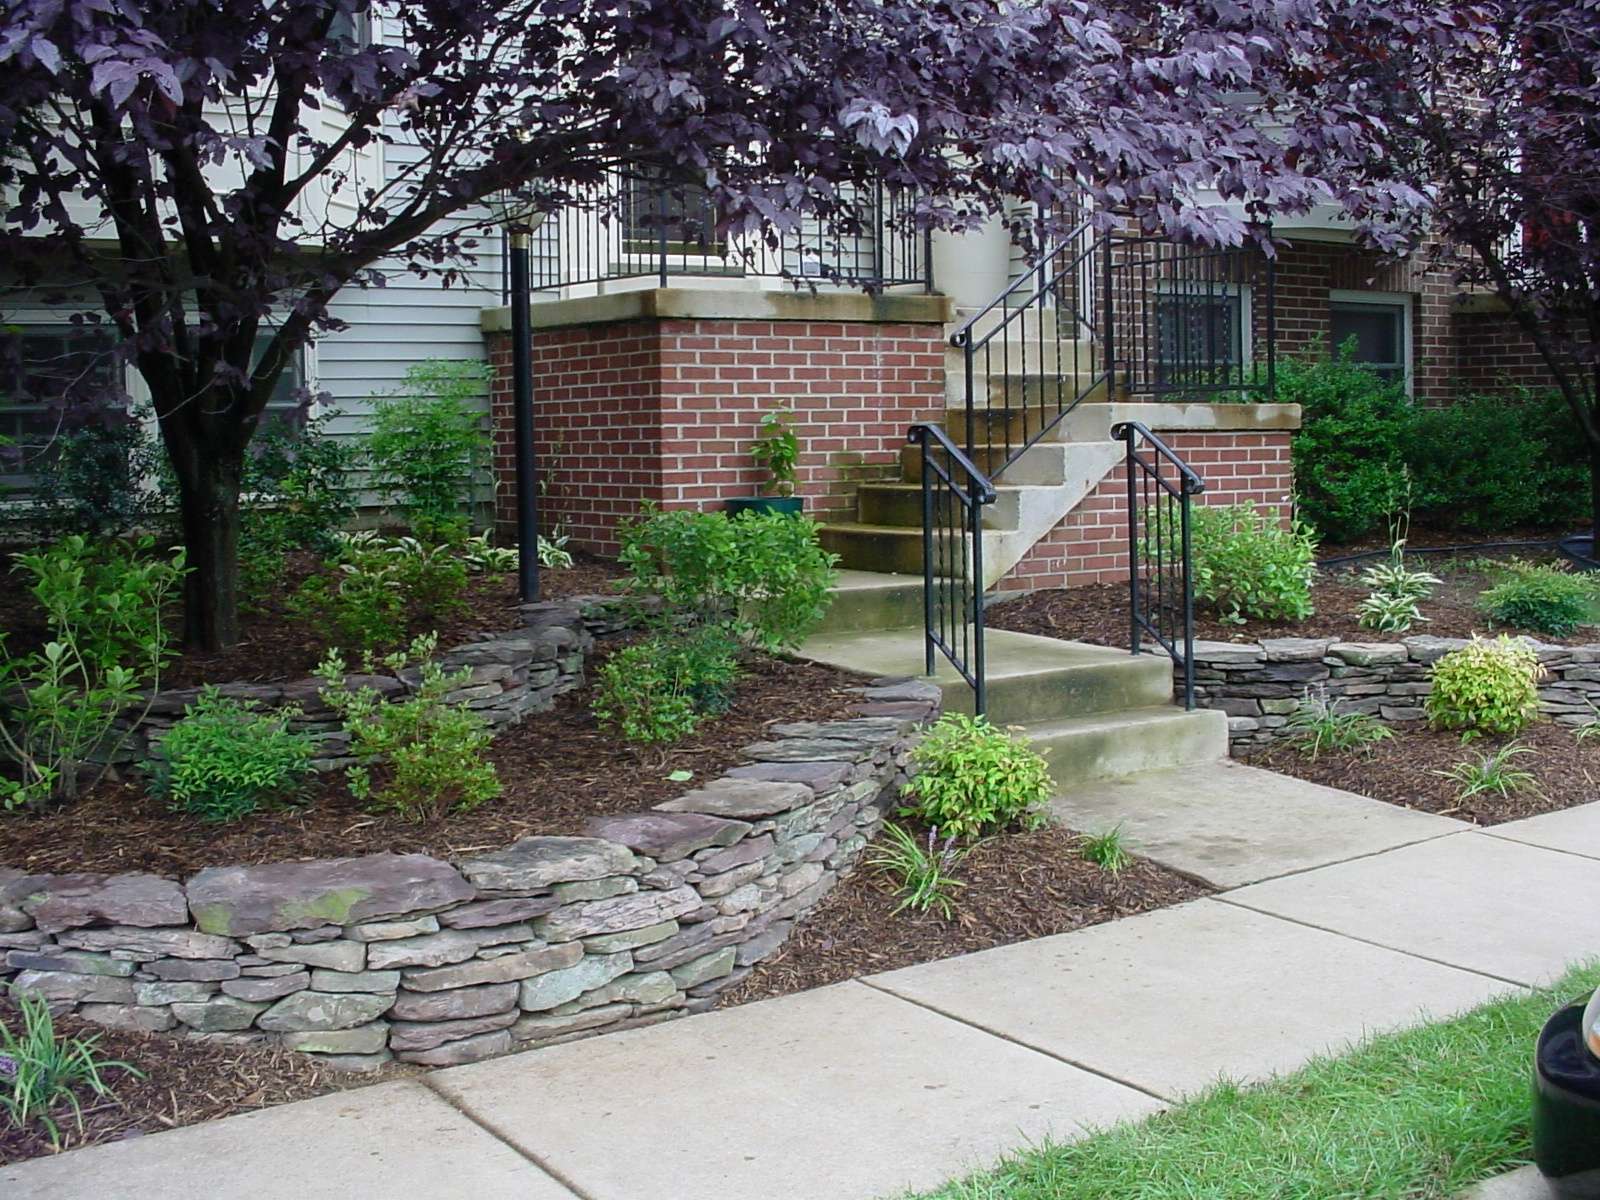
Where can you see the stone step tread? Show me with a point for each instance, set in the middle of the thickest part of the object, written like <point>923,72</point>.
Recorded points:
<point>1129,719</point>
<point>1010,655</point>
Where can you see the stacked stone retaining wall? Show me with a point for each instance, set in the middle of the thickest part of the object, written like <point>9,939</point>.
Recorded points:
<point>1258,684</point>
<point>644,917</point>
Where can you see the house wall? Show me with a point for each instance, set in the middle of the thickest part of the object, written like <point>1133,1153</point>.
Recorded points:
<point>662,407</point>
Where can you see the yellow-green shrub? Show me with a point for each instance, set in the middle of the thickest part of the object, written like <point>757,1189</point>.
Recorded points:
<point>1486,687</point>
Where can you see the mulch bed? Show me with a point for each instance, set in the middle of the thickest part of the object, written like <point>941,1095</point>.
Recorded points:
<point>1098,613</point>
<point>559,769</point>
<point>277,646</point>
<point>1019,886</point>
<point>183,1082</point>
<point>1400,771</point>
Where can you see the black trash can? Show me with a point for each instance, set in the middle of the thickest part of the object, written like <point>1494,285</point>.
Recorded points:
<point>1566,1102</point>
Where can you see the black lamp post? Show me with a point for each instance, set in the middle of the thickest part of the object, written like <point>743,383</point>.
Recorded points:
<point>515,212</point>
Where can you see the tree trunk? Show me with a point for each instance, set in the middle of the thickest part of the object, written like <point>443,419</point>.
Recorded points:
<point>208,502</point>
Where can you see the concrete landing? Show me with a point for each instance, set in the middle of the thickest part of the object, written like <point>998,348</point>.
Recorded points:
<point>1573,831</point>
<point>1230,824</point>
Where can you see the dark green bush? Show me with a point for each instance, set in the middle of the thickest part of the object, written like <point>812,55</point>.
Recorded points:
<point>94,480</point>
<point>1349,455</point>
<point>294,497</point>
<point>1545,599</point>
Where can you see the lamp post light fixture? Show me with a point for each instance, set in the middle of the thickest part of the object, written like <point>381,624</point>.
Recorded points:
<point>517,213</point>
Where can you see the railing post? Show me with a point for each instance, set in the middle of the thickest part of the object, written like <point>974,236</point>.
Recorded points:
<point>972,419</point>
<point>1272,329</point>
<point>1134,627</point>
<point>1188,604</point>
<point>980,686</point>
<point>927,554</point>
<point>927,260</point>
<point>661,235</point>
<point>1109,316</point>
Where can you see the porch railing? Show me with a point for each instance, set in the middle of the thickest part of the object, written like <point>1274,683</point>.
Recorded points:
<point>641,227</point>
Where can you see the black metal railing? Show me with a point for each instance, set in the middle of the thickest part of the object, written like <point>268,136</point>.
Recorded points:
<point>1183,322</point>
<point>1031,355</point>
<point>644,227</point>
<point>954,494</point>
<point>1160,559</point>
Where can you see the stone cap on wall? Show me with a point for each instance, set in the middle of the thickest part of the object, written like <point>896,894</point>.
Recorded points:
<point>1194,418</point>
<point>729,304</point>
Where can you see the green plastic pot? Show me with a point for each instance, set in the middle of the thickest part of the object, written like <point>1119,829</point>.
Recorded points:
<point>792,505</point>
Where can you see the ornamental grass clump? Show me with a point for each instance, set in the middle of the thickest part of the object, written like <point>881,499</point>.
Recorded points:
<point>43,1072</point>
<point>1486,687</point>
<point>971,779</point>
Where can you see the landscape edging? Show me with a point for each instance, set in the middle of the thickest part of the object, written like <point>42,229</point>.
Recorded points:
<point>1258,684</point>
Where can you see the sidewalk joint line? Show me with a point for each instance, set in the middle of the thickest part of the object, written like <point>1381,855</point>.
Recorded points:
<point>1226,898</point>
<point>1489,831</point>
<point>1337,862</point>
<point>1016,1041</point>
<point>494,1131</point>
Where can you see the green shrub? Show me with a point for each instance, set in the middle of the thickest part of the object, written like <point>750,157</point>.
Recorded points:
<point>971,778</point>
<point>104,610</point>
<point>225,758</point>
<point>94,480</point>
<point>428,445</point>
<point>46,1072</point>
<point>1546,599</point>
<point>427,751</point>
<point>1486,687</point>
<point>1489,463</point>
<point>1349,452</point>
<point>659,689</point>
<point>1247,566</point>
<point>294,484</point>
<point>379,587</point>
<point>766,573</point>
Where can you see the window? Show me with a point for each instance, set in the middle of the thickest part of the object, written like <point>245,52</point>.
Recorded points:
<point>52,378</point>
<point>285,406</point>
<point>1202,334</point>
<point>1380,326</point>
<point>351,31</point>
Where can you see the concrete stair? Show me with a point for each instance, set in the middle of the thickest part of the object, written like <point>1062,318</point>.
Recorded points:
<point>1094,713</point>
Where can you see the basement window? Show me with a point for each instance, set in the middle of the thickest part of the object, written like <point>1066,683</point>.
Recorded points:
<point>1377,329</point>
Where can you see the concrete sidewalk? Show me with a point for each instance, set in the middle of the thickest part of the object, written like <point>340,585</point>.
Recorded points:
<point>1346,917</point>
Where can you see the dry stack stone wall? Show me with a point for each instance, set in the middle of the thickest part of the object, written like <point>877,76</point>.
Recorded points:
<point>645,917</point>
<point>1258,684</point>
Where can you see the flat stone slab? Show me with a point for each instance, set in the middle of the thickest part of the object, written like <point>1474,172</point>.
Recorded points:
<point>1483,903</point>
<point>1173,1000</point>
<point>240,901</point>
<point>393,1139</point>
<point>1524,1183</point>
<point>1231,824</point>
<point>1573,830</point>
<point>842,1092</point>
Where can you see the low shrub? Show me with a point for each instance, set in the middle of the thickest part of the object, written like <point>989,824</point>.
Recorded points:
<point>378,588</point>
<point>923,875</point>
<point>1349,452</point>
<point>1486,687</point>
<point>93,479</point>
<point>659,689</point>
<point>426,752</point>
<point>1247,565</point>
<point>428,446</point>
<point>45,1072</point>
<point>294,482</point>
<point>971,779</point>
<point>225,758</point>
<point>766,574</point>
<point>1546,599</point>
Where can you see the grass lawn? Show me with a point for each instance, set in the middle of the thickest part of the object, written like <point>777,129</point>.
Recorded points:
<point>1416,1115</point>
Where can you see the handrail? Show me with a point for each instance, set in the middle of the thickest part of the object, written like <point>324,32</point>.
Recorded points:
<point>918,434</point>
<point>1124,431</point>
<point>963,334</point>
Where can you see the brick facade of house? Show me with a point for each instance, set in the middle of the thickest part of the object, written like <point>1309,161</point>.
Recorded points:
<point>664,411</point>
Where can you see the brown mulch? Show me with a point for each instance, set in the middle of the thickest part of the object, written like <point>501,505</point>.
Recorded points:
<point>1098,613</point>
<point>1019,886</point>
<point>558,768</point>
<point>183,1082</point>
<point>276,645</point>
<point>1401,771</point>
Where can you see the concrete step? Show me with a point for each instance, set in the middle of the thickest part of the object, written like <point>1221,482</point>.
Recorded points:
<point>1044,462</point>
<point>1109,745</point>
<point>901,504</point>
<point>870,600</point>
<point>890,549</point>
<point>1031,679</point>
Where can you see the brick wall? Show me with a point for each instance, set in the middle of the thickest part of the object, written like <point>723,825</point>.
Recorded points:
<point>1091,545</point>
<point>664,410</point>
<point>1496,353</point>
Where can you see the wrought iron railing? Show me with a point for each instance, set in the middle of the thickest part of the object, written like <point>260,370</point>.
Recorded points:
<point>643,227</point>
<point>1184,322</point>
<point>1160,559</point>
<point>954,495</point>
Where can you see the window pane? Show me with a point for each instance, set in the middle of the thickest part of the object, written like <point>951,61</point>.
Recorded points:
<point>1377,332</point>
<point>1199,338</point>
<point>285,405</point>
<point>53,379</point>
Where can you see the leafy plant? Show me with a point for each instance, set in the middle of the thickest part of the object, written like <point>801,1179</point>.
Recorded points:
<point>924,875</point>
<point>63,702</point>
<point>42,1071</point>
<point>1316,725</point>
<point>94,479</point>
<point>1547,599</point>
<point>224,758</point>
<point>764,573</point>
<point>1389,614</point>
<point>1394,605</point>
<point>553,552</point>
<point>428,445</point>
<point>1106,851</point>
<point>1492,773</point>
<point>777,450</point>
<point>1486,687</point>
<point>970,778</point>
<point>427,750</point>
<point>658,690</point>
<point>378,586</point>
<point>294,482</point>
<point>1248,566</point>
